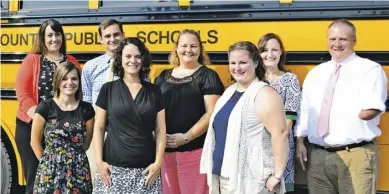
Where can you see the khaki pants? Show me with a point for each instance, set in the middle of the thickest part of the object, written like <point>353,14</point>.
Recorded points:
<point>353,171</point>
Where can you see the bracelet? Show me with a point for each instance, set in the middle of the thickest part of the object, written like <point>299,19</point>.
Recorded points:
<point>276,177</point>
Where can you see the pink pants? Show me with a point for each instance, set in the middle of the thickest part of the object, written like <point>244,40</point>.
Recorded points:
<point>181,173</point>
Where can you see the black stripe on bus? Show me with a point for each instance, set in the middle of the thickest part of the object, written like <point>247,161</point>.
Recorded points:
<point>207,12</point>
<point>221,58</point>
<point>10,94</point>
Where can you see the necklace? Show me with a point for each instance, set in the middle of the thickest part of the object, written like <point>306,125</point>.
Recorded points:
<point>57,59</point>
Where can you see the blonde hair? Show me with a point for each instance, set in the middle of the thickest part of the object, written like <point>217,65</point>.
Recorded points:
<point>203,58</point>
<point>346,23</point>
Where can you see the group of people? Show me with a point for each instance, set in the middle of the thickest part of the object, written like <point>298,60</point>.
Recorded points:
<point>186,133</point>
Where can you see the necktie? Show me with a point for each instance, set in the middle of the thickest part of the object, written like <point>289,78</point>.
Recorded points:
<point>324,117</point>
<point>109,75</point>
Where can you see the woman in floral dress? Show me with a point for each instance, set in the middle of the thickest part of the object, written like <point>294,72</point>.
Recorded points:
<point>66,122</point>
<point>287,85</point>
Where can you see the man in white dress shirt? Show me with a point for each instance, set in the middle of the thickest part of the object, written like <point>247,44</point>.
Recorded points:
<point>342,101</point>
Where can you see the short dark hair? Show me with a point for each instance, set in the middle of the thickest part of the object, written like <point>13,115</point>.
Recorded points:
<point>262,44</point>
<point>62,70</point>
<point>346,23</point>
<point>203,58</point>
<point>39,46</point>
<point>105,23</point>
<point>145,56</point>
<point>253,54</point>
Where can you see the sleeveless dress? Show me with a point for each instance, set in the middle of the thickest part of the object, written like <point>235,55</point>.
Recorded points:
<point>288,87</point>
<point>255,163</point>
<point>64,166</point>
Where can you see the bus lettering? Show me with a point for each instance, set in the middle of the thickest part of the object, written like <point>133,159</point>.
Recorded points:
<point>167,37</point>
<point>27,39</point>
<point>212,34</point>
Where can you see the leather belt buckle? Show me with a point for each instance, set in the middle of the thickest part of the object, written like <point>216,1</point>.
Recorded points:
<point>336,148</point>
<point>327,148</point>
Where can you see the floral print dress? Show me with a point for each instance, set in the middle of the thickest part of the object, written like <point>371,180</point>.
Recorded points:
<point>288,87</point>
<point>64,166</point>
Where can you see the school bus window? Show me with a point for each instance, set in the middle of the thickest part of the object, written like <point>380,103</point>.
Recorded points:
<point>108,3</point>
<point>25,4</point>
<point>222,3</point>
<point>4,4</point>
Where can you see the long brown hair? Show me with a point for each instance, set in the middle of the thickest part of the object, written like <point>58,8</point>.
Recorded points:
<point>39,46</point>
<point>203,58</point>
<point>262,44</point>
<point>63,69</point>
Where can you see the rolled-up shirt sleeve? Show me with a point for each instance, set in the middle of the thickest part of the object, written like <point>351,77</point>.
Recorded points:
<point>374,89</point>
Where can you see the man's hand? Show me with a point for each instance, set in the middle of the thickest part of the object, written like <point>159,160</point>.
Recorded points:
<point>301,152</point>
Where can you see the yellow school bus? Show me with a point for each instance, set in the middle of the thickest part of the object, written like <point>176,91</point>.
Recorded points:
<point>301,24</point>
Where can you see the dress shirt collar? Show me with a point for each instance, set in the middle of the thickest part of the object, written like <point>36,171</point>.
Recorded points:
<point>345,61</point>
<point>107,58</point>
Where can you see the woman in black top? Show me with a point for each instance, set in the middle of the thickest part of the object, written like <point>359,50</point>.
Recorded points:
<point>190,92</point>
<point>66,123</point>
<point>131,109</point>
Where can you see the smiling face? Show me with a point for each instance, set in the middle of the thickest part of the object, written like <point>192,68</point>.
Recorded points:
<point>241,66</point>
<point>188,49</point>
<point>271,53</point>
<point>131,59</point>
<point>340,42</point>
<point>53,40</point>
<point>70,83</point>
<point>110,37</point>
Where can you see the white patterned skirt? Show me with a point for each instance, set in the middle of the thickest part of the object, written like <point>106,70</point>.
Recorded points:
<point>127,181</point>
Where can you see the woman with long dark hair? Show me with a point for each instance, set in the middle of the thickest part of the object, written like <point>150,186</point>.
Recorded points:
<point>273,57</point>
<point>35,79</point>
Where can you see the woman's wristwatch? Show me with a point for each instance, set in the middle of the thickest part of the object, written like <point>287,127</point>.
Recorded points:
<point>276,177</point>
<point>186,139</point>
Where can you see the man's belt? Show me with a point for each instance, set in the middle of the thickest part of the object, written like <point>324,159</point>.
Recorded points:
<point>341,148</point>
